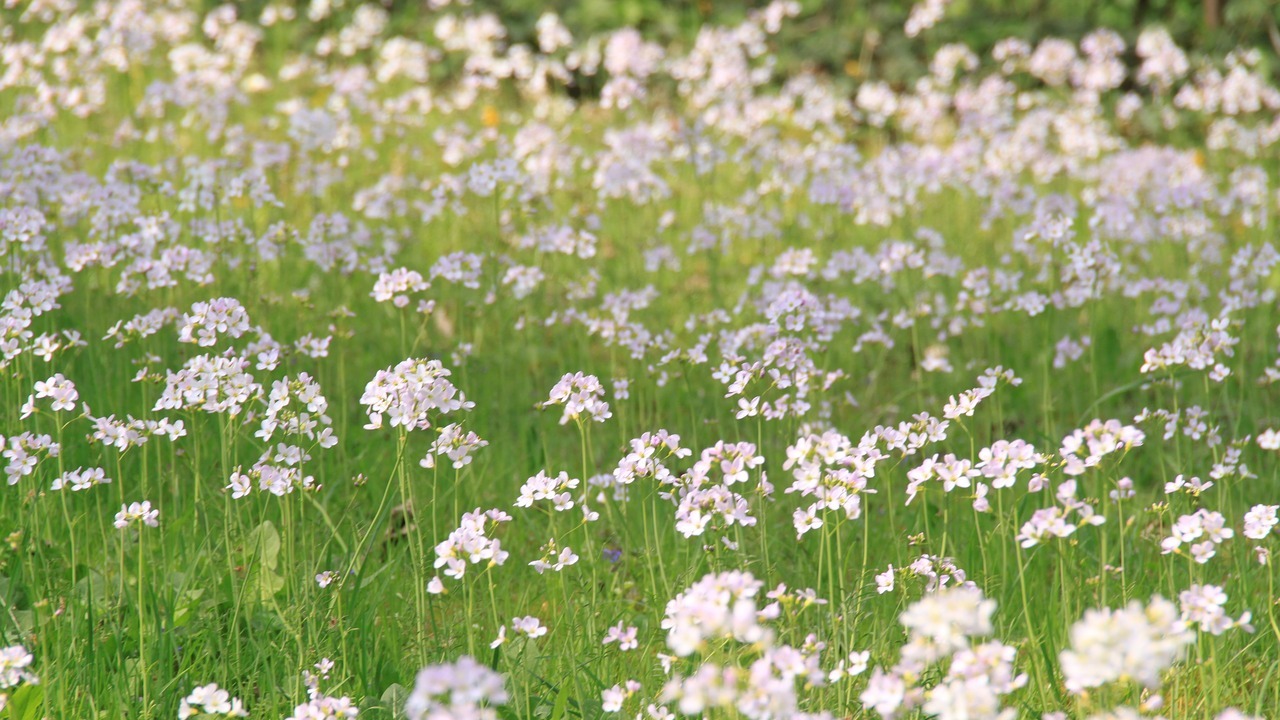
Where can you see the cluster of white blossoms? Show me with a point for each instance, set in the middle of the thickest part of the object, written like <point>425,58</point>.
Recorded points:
<point>546,487</point>
<point>60,391</point>
<point>1004,459</point>
<point>14,663</point>
<point>946,626</point>
<point>704,494</point>
<point>1134,642</point>
<point>645,460</point>
<point>553,557</point>
<point>210,700</point>
<point>834,472</point>
<point>1197,346</point>
<point>24,452</point>
<point>1203,606</point>
<point>718,616</point>
<point>924,15</point>
<point>396,285</point>
<point>80,479</point>
<point>278,472</point>
<point>1202,530</point>
<point>410,393</point>
<point>325,707</point>
<point>582,397</point>
<point>1260,521</point>
<point>717,607</point>
<point>470,543</point>
<point>207,321</point>
<point>454,443</point>
<point>212,384</point>
<point>131,432</point>
<point>137,513</point>
<point>1052,522</point>
<point>320,705</point>
<point>1085,448</point>
<point>297,406</point>
<point>938,573</point>
<point>461,690</point>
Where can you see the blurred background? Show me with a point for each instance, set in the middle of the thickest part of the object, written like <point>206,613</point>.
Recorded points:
<point>853,39</point>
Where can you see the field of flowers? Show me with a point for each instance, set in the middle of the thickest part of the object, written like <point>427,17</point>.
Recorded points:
<point>353,370</point>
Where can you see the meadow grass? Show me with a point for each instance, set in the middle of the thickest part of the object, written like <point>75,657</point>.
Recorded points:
<point>873,273</point>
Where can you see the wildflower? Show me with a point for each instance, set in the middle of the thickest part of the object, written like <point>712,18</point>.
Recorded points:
<point>718,605</point>
<point>61,391</point>
<point>624,636</point>
<point>14,661</point>
<point>470,543</point>
<point>454,444</point>
<point>80,479</point>
<point>554,558</point>
<point>397,285</point>
<point>613,698</point>
<point>210,700</point>
<point>461,689</point>
<point>581,395</point>
<point>542,487</point>
<point>410,393</point>
<point>1133,642</point>
<point>946,619</point>
<point>884,581</point>
<point>1260,521</point>
<point>529,626</point>
<point>206,320</point>
<point>137,512</point>
<point>1203,606</point>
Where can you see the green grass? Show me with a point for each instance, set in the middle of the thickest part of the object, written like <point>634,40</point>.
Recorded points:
<point>125,623</point>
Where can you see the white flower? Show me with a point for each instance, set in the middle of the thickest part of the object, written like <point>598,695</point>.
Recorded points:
<point>624,636</point>
<point>581,395</point>
<point>137,512</point>
<point>529,625</point>
<point>462,689</point>
<point>210,700</point>
<point>884,581</point>
<point>1133,642</point>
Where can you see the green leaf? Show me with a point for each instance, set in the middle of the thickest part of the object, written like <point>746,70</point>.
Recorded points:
<point>263,548</point>
<point>188,602</point>
<point>25,703</point>
<point>393,699</point>
<point>95,589</point>
<point>562,704</point>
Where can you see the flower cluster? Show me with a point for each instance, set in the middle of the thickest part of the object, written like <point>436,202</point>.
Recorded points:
<point>60,391</point>
<point>703,501</point>
<point>544,487</point>
<point>461,689</point>
<point>1188,529</point>
<point>582,397</point>
<point>14,663</point>
<point>137,512</point>
<point>645,460</point>
<point>943,626</point>
<point>1085,448</point>
<point>470,543</point>
<point>1138,642</point>
<point>454,443</point>
<point>410,393</point>
<point>206,321</point>
<point>210,700</point>
<point>830,469</point>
